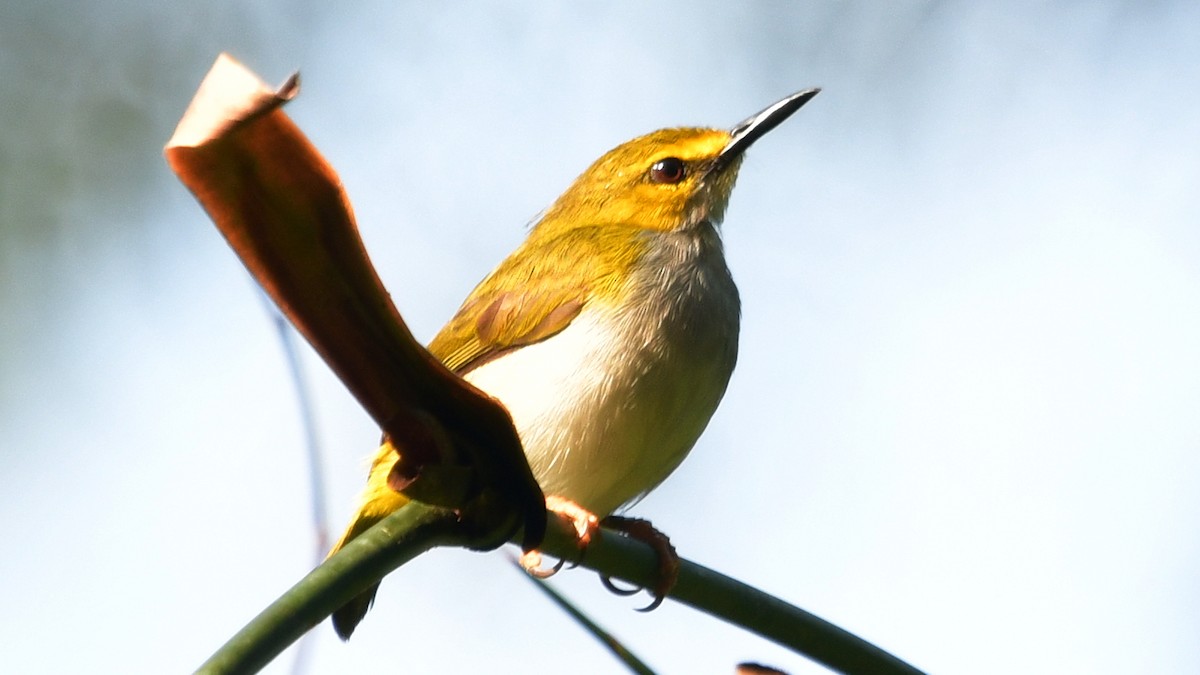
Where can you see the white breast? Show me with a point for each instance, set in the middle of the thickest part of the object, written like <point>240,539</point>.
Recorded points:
<point>608,407</point>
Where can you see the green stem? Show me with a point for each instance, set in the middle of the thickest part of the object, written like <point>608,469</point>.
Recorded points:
<point>416,528</point>
<point>402,536</point>
<point>732,601</point>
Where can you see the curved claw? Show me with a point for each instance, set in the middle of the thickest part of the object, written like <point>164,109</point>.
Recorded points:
<point>617,590</point>
<point>582,521</point>
<point>658,600</point>
<point>614,588</point>
<point>668,559</point>
<point>531,562</point>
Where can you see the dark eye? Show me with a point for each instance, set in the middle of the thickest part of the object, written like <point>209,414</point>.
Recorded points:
<point>669,170</point>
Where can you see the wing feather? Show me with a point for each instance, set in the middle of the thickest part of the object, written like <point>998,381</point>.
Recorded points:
<point>536,293</point>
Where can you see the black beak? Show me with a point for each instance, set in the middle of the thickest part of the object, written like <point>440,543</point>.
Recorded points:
<point>752,128</point>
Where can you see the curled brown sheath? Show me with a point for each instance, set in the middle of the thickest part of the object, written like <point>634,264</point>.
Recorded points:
<point>282,209</point>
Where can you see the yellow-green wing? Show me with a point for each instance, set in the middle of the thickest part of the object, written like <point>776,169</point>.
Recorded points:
<point>535,293</point>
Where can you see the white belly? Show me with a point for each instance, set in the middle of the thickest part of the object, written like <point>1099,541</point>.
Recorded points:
<point>607,408</point>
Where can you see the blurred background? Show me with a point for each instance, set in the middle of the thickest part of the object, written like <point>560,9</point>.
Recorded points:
<point>966,419</point>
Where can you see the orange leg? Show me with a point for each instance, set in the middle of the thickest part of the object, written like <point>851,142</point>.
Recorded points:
<point>586,526</point>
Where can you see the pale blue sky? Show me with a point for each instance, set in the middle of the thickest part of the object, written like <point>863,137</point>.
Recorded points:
<point>964,422</point>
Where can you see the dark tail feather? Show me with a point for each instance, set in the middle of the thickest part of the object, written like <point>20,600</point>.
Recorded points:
<point>347,617</point>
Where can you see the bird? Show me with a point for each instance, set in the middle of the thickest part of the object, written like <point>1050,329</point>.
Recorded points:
<point>610,334</point>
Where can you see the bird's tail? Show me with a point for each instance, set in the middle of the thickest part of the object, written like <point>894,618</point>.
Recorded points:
<point>377,501</point>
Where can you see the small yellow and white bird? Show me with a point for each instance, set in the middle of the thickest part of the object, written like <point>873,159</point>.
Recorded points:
<point>610,334</point>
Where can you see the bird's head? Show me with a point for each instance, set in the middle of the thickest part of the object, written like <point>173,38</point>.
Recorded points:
<point>668,180</point>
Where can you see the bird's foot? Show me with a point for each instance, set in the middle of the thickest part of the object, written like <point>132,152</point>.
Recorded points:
<point>668,559</point>
<point>586,527</point>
